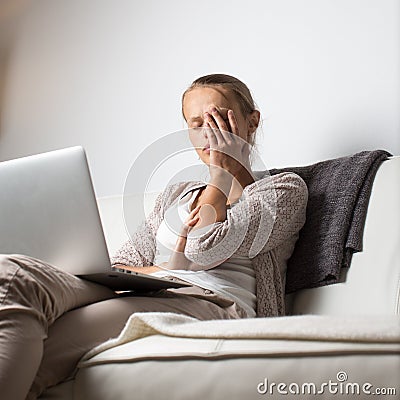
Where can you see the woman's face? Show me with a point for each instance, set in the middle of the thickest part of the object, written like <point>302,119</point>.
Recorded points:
<point>200,100</point>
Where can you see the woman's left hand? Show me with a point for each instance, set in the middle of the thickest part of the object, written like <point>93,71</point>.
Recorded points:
<point>228,150</point>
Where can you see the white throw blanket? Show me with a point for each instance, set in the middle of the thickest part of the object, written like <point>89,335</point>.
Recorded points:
<point>356,329</point>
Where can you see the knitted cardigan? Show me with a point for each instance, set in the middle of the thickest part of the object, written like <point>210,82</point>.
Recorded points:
<point>264,226</point>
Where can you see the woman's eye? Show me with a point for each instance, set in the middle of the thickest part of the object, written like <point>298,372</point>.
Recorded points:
<point>195,123</point>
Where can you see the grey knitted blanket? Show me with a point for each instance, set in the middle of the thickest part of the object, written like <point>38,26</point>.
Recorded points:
<point>339,190</point>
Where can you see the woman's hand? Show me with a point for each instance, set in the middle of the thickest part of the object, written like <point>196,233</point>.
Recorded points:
<point>177,259</point>
<point>189,223</point>
<point>228,150</point>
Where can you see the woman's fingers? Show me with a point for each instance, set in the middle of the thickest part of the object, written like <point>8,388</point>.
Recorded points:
<point>193,216</point>
<point>210,120</point>
<point>233,123</point>
<point>212,138</point>
<point>214,134</point>
<point>193,221</point>
<point>190,221</point>
<point>225,129</point>
<point>219,120</point>
<point>194,211</point>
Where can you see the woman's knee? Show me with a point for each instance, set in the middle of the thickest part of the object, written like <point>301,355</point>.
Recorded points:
<point>6,260</point>
<point>8,270</point>
<point>14,261</point>
<point>27,286</point>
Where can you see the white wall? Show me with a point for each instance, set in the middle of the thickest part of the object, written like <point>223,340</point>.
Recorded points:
<point>108,74</point>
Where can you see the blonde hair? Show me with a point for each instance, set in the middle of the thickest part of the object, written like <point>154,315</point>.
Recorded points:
<point>235,86</point>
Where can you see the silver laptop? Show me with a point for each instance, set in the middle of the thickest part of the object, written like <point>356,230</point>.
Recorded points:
<point>48,210</point>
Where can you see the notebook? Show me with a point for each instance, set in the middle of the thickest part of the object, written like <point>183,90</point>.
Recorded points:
<point>49,211</point>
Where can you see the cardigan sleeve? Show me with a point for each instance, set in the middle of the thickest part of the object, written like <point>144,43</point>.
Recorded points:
<point>272,210</point>
<point>269,286</point>
<point>139,250</point>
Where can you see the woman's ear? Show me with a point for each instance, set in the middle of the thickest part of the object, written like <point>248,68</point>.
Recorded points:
<point>253,121</point>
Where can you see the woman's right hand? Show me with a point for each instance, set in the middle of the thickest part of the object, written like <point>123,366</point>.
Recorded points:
<point>177,260</point>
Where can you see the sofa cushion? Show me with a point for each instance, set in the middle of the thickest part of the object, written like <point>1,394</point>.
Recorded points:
<point>159,367</point>
<point>181,351</point>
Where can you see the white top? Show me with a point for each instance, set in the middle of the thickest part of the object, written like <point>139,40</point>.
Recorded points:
<point>275,209</point>
<point>233,279</point>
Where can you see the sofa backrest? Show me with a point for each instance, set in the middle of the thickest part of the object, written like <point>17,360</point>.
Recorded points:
<point>370,286</point>
<point>111,214</point>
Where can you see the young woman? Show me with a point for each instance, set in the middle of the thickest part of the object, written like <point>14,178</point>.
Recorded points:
<point>234,236</point>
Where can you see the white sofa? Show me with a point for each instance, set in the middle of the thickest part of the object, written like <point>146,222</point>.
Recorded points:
<point>212,368</point>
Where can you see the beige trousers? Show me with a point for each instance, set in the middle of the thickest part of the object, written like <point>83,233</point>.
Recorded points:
<point>49,319</point>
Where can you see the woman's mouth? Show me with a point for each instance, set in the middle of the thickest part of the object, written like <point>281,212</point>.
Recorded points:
<point>206,148</point>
